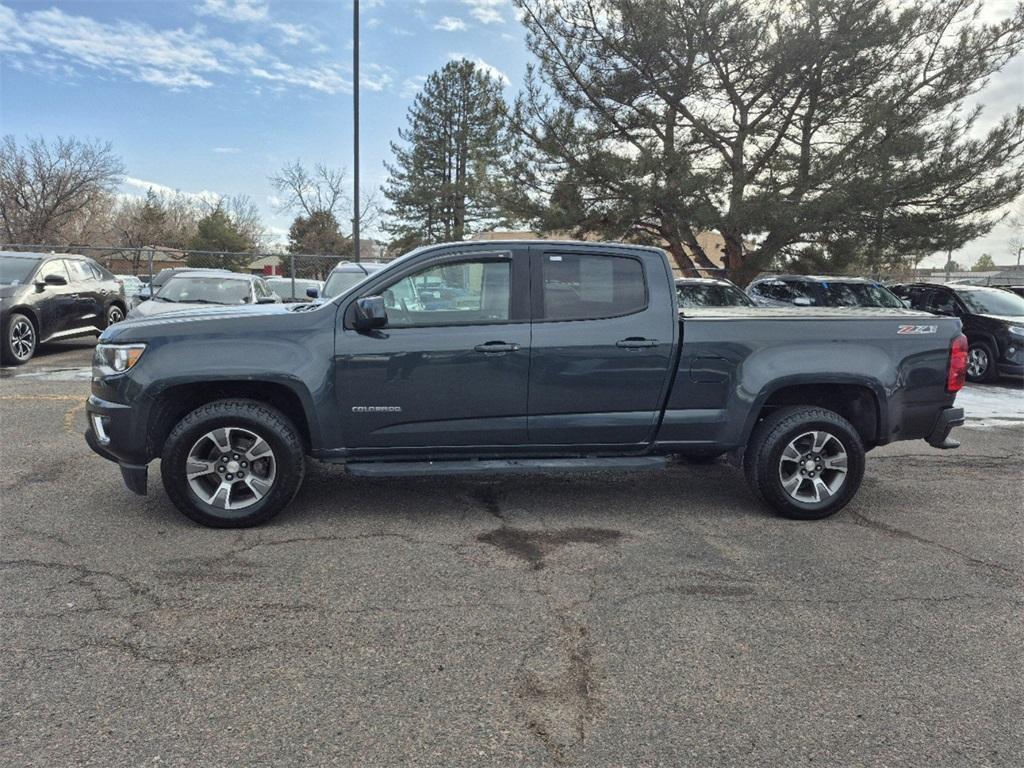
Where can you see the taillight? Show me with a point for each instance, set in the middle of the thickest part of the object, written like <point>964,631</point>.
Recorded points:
<point>957,364</point>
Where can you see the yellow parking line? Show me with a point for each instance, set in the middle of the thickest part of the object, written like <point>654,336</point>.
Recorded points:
<point>69,415</point>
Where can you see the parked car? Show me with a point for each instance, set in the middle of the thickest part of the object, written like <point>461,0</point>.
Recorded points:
<point>993,321</point>
<point>816,291</point>
<point>133,286</point>
<point>522,375</point>
<point>50,296</point>
<point>710,292</point>
<point>346,275</point>
<point>302,287</point>
<point>190,287</point>
<point>1017,289</point>
<point>152,287</point>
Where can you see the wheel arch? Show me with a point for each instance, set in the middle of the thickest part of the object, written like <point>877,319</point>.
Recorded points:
<point>176,401</point>
<point>858,400</point>
<point>31,314</point>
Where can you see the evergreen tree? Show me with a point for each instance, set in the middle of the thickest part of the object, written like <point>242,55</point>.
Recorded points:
<point>817,129</point>
<point>443,184</point>
<point>216,231</point>
<point>984,263</point>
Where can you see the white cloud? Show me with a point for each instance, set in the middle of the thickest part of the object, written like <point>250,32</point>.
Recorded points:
<point>411,86</point>
<point>143,186</point>
<point>490,69</point>
<point>233,10</point>
<point>450,24</point>
<point>227,150</point>
<point>374,77</point>
<point>169,58</point>
<point>487,11</point>
<point>372,23</point>
<point>292,34</point>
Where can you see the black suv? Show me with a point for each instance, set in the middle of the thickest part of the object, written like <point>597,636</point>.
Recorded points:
<point>814,291</point>
<point>993,321</point>
<point>53,296</point>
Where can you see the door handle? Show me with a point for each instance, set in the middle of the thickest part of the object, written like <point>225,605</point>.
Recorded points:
<point>635,342</point>
<point>496,348</point>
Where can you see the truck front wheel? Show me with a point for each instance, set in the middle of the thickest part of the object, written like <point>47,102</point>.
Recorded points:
<point>233,463</point>
<point>806,462</point>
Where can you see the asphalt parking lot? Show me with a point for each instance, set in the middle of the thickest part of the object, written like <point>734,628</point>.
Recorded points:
<point>590,620</point>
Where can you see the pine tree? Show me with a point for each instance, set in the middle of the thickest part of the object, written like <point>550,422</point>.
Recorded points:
<point>443,184</point>
<point>816,129</point>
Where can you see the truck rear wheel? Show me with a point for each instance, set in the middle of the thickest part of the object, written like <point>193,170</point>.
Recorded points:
<point>806,462</point>
<point>233,463</point>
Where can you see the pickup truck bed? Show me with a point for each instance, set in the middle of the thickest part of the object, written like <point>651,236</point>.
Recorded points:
<point>525,355</point>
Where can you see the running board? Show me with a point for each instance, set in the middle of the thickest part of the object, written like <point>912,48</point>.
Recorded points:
<point>501,466</point>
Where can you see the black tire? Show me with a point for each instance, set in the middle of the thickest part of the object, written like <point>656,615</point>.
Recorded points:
<point>764,464</point>
<point>240,418</point>
<point>115,314</point>
<point>981,350</point>
<point>21,338</point>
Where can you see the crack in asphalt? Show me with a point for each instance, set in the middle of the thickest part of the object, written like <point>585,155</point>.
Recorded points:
<point>899,533</point>
<point>559,705</point>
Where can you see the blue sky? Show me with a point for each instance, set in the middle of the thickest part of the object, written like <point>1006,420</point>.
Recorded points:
<point>214,96</point>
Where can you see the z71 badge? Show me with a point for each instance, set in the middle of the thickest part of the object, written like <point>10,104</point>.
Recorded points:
<point>916,330</point>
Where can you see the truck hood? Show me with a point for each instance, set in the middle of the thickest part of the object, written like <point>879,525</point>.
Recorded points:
<point>157,307</point>
<point>136,327</point>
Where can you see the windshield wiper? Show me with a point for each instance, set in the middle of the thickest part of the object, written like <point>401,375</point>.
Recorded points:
<point>164,298</point>
<point>203,301</point>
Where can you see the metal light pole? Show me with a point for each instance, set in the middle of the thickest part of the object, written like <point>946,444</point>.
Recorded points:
<point>355,127</point>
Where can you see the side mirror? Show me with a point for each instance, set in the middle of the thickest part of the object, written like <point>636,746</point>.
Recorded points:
<point>370,313</point>
<point>313,293</point>
<point>802,301</point>
<point>55,280</point>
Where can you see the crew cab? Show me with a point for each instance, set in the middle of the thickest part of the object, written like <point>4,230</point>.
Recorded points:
<point>517,356</point>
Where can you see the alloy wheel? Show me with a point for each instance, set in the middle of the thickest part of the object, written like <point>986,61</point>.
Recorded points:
<point>231,468</point>
<point>114,315</point>
<point>813,466</point>
<point>23,339</point>
<point>977,362</point>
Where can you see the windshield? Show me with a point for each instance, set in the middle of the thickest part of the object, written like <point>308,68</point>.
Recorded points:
<point>860,295</point>
<point>710,295</point>
<point>992,301</point>
<point>339,282</point>
<point>205,290</point>
<point>16,270</point>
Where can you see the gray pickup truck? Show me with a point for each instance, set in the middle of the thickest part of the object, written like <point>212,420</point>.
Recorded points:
<point>490,357</point>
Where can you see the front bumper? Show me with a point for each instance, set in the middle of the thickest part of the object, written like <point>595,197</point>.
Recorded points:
<point>947,419</point>
<point>116,422</point>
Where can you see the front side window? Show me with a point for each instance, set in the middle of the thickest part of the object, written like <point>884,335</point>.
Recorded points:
<point>55,267</point>
<point>584,287</point>
<point>463,293</point>
<point>860,295</point>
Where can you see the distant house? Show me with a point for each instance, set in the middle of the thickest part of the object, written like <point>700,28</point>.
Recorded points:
<point>125,263</point>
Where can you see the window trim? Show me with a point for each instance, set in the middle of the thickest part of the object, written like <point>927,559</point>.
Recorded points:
<point>447,259</point>
<point>537,305</point>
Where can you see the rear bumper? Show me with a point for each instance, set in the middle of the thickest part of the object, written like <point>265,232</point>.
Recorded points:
<point>947,419</point>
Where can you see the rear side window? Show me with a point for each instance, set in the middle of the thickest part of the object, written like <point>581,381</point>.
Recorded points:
<point>80,271</point>
<point>584,287</point>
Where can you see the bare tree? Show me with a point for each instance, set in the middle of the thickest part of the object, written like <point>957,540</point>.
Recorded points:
<point>313,193</point>
<point>45,188</point>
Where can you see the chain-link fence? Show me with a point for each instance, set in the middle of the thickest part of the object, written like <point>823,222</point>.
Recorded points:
<point>292,273</point>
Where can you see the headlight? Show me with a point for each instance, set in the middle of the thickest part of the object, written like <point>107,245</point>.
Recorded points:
<point>116,358</point>
<point>1017,330</point>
